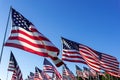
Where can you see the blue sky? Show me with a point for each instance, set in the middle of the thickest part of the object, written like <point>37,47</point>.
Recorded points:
<point>95,23</point>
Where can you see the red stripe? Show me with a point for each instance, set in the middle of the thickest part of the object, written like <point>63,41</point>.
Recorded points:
<point>59,64</point>
<point>80,61</point>
<point>92,58</point>
<point>27,49</point>
<point>50,48</point>
<point>71,52</point>
<point>34,37</point>
<point>72,56</point>
<point>110,64</point>
<point>91,55</point>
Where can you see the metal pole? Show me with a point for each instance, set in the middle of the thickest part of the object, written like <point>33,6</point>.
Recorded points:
<point>5,34</point>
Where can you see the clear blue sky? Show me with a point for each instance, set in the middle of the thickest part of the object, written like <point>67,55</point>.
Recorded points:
<point>95,23</point>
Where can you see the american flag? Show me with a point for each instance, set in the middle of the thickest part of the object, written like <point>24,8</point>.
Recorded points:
<point>68,73</point>
<point>79,71</point>
<point>41,75</point>
<point>48,67</point>
<point>14,77</point>
<point>38,74</point>
<point>94,59</point>
<point>109,64</point>
<point>46,76</point>
<point>70,51</point>
<point>82,54</point>
<point>93,73</point>
<point>90,56</point>
<point>86,72</point>
<point>25,36</point>
<point>64,74</point>
<point>14,67</point>
<point>31,76</point>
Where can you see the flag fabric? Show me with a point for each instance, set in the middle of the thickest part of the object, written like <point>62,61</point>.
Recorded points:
<point>93,73</point>
<point>94,59</point>
<point>109,64</point>
<point>14,67</point>
<point>14,77</point>
<point>48,67</point>
<point>41,75</point>
<point>68,73</point>
<point>64,74</point>
<point>79,71</point>
<point>86,54</point>
<point>90,56</point>
<point>86,72</point>
<point>25,36</point>
<point>46,76</point>
<point>70,51</point>
<point>38,74</point>
<point>31,76</point>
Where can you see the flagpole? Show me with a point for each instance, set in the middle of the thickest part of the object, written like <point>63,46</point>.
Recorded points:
<point>5,34</point>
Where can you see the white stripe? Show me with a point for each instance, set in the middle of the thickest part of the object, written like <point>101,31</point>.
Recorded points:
<point>74,54</point>
<point>27,45</point>
<point>94,68</point>
<point>56,61</point>
<point>28,32</point>
<point>73,58</point>
<point>88,50</point>
<point>47,43</point>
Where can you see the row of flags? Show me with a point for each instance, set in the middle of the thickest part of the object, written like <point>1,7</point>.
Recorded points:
<point>48,67</point>
<point>25,36</point>
<point>38,75</point>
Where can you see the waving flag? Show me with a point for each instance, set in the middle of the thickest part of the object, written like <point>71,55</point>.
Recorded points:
<point>31,76</point>
<point>94,59</point>
<point>109,64</point>
<point>14,76</point>
<point>48,67</point>
<point>70,51</point>
<point>68,73</point>
<point>41,75</point>
<point>14,67</point>
<point>79,71</point>
<point>38,74</point>
<point>84,54</point>
<point>25,36</point>
<point>86,72</point>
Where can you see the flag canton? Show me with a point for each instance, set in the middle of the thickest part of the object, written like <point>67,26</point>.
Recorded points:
<point>67,44</point>
<point>85,68</point>
<point>38,70</point>
<point>13,60</point>
<point>31,74</point>
<point>46,62</point>
<point>78,68</point>
<point>20,21</point>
